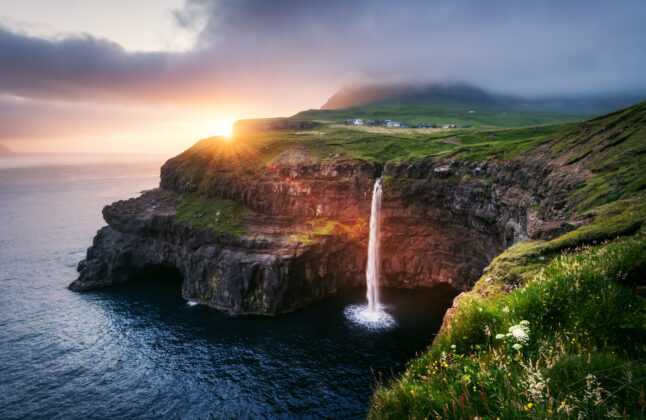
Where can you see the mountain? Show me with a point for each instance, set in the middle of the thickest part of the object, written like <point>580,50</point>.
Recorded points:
<point>4,150</point>
<point>461,95</point>
<point>434,94</point>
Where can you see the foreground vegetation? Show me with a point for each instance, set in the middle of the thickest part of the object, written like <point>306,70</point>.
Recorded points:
<point>569,341</point>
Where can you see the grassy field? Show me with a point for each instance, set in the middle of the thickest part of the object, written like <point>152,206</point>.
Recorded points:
<point>383,145</point>
<point>440,115</point>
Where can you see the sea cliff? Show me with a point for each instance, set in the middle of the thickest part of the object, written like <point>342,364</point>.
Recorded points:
<point>276,217</point>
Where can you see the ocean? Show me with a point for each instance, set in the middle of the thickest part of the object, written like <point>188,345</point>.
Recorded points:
<point>139,350</point>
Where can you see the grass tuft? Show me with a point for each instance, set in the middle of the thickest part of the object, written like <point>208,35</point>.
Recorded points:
<point>214,213</point>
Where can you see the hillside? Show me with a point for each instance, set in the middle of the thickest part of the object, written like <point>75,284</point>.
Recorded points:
<point>445,94</point>
<point>465,96</point>
<point>553,328</point>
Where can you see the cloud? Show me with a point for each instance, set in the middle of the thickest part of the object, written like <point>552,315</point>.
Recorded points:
<point>572,47</point>
<point>258,57</point>
<point>256,48</point>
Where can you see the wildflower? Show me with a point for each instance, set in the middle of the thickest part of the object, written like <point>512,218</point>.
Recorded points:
<point>505,309</point>
<point>412,392</point>
<point>453,346</point>
<point>519,332</point>
<point>517,346</point>
<point>500,336</point>
<point>529,405</point>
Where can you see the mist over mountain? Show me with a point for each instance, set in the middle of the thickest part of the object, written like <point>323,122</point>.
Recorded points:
<point>465,95</point>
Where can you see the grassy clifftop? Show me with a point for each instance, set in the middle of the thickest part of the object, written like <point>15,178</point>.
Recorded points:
<point>441,115</point>
<point>553,329</point>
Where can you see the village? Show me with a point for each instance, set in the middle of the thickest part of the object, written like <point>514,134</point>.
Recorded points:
<point>403,124</point>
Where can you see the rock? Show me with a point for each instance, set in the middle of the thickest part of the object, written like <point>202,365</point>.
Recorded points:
<point>442,171</point>
<point>305,225</point>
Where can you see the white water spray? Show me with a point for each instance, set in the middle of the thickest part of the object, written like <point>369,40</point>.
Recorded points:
<point>372,270</point>
<point>372,316</point>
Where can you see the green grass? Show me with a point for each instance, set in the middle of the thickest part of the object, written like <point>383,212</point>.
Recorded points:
<point>614,157</point>
<point>440,115</point>
<point>214,213</point>
<point>615,149</point>
<point>520,263</point>
<point>322,226</point>
<point>584,352</point>
<point>384,145</point>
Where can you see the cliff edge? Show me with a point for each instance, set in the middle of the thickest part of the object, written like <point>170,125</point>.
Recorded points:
<point>276,217</point>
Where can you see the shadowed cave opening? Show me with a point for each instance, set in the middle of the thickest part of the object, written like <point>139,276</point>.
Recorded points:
<point>158,272</point>
<point>161,278</point>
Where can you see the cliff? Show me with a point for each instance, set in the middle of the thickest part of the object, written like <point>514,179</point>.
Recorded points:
<point>556,325</point>
<point>276,217</point>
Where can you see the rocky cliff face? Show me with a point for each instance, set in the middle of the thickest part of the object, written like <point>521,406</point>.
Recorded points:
<point>299,229</point>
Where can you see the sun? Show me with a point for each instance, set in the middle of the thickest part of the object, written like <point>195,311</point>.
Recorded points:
<point>222,127</point>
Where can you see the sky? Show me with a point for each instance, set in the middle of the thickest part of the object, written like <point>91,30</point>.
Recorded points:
<point>117,76</point>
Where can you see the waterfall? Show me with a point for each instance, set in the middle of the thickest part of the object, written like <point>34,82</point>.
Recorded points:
<point>372,270</point>
<point>372,316</point>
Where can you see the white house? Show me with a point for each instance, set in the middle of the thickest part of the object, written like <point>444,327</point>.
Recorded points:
<point>358,121</point>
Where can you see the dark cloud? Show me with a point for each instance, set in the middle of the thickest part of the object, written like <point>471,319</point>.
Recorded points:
<point>290,50</point>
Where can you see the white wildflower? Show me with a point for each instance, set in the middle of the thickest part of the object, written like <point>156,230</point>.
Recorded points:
<point>517,346</point>
<point>505,309</point>
<point>519,332</point>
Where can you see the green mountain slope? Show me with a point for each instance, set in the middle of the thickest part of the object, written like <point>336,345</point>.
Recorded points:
<point>553,329</point>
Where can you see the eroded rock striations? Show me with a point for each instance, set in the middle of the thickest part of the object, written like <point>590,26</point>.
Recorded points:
<point>266,231</point>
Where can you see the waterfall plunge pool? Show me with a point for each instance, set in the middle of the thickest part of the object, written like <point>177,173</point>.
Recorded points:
<point>310,363</point>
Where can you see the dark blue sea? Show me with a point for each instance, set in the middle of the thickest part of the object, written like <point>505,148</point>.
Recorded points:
<point>139,350</point>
